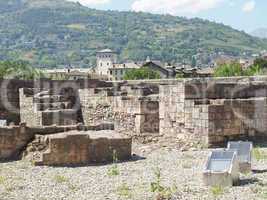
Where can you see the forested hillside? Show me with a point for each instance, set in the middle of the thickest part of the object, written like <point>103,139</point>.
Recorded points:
<point>56,32</point>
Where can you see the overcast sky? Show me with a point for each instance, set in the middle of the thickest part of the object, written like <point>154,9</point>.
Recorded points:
<point>240,14</point>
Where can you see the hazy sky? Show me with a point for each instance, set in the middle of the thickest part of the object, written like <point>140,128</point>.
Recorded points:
<point>241,14</point>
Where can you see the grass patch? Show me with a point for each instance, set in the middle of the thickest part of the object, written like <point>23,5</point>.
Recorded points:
<point>217,191</point>
<point>114,170</point>
<point>66,181</point>
<point>162,192</point>
<point>2,180</point>
<point>124,191</point>
<point>61,179</point>
<point>72,187</point>
<point>259,154</point>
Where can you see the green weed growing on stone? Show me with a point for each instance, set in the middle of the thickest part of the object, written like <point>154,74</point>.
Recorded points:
<point>6,185</point>
<point>114,170</point>
<point>258,154</point>
<point>2,180</point>
<point>61,179</point>
<point>217,191</point>
<point>124,191</point>
<point>162,193</point>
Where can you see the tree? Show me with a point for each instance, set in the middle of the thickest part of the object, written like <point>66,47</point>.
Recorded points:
<point>228,70</point>
<point>262,63</point>
<point>235,69</point>
<point>253,70</point>
<point>19,70</point>
<point>141,74</point>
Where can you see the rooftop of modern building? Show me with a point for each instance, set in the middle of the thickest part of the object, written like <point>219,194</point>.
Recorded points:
<point>106,51</point>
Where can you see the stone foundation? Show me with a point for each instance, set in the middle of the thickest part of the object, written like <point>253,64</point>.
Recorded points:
<point>132,114</point>
<point>215,110</point>
<point>13,140</point>
<point>80,148</point>
<point>212,111</point>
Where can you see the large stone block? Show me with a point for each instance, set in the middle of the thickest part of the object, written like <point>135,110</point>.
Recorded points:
<point>81,148</point>
<point>13,140</point>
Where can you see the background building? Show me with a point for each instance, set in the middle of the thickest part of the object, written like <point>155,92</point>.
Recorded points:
<point>105,59</point>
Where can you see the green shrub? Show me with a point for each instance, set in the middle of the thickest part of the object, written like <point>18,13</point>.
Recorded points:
<point>61,179</point>
<point>19,70</point>
<point>179,75</point>
<point>228,70</point>
<point>114,170</point>
<point>253,70</point>
<point>162,193</point>
<point>217,191</point>
<point>124,191</point>
<point>141,74</point>
<point>259,154</point>
<point>262,63</point>
<point>235,69</point>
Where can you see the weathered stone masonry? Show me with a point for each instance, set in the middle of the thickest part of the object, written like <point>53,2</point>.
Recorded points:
<point>211,110</point>
<point>133,114</point>
<point>216,110</point>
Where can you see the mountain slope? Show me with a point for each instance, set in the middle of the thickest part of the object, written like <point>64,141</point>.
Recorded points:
<point>261,33</point>
<point>56,32</point>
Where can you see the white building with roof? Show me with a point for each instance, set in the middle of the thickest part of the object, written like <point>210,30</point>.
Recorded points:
<point>105,59</point>
<point>108,67</point>
<point>117,71</point>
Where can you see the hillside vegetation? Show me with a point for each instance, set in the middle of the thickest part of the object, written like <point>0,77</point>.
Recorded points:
<point>56,32</point>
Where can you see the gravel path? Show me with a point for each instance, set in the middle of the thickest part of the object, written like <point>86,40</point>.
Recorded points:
<point>181,178</point>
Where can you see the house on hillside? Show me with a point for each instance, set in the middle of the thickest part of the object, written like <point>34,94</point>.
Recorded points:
<point>108,66</point>
<point>67,74</point>
<point>165,71</point>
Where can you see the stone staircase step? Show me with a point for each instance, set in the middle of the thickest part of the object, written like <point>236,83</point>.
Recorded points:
<point>50,99</point>
<point>52,106</point>
<point>59,117</point>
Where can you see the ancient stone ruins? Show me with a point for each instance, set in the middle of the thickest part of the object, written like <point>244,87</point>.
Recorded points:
<point>85,122</point>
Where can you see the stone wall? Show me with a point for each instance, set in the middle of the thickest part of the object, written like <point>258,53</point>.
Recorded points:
<point>81,148</point>
<point>133,113</point>
<point>9,100</point>
<point>40,107</point>
<point>10,97</point>
<point>238,119</point>
<point>13,140</point>
<point>28,112</point>
<point>171,108</point>
<point>214,110</point>
<point>141,108</point>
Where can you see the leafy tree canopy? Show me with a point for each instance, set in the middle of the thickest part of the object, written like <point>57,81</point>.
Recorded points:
<point>141,74</point>
<point>235,69</point>
<point>262,63</point>
<point>19,70</point>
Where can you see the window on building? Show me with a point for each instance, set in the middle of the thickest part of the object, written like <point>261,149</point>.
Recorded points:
<point>110,72</point>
